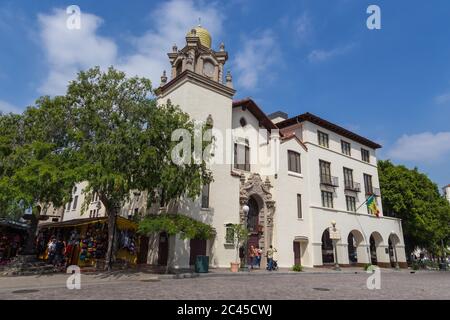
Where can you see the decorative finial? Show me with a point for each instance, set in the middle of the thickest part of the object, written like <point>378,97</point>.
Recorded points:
<point>222,47</point>
<point>174,48</point>
<point>163,78</point>
<point>229,79</point>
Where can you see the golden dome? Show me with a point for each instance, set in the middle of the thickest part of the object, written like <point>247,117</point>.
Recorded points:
<point>203,34</point>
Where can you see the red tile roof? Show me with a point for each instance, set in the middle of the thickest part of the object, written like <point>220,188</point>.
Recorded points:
<point>330,126</point>
<point>256,111</point>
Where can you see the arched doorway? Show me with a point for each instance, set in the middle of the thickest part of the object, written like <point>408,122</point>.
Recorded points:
<point>351,245</point>
<point>327,248</point>
<point>393,241</point>
<point>163,249</point>
<point>375,241</point>
<point>355,241</point>
<point>253,225</point>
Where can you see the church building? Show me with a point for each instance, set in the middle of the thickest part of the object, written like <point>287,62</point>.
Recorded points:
<point>308,187</point>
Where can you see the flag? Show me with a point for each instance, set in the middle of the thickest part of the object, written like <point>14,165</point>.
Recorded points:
<point>372,205</point>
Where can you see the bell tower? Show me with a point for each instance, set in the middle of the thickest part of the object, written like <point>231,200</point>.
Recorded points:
<point>197,81</point>
<point>197,56</point>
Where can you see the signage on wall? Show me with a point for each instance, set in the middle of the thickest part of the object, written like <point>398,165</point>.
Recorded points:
<point>334,233</point>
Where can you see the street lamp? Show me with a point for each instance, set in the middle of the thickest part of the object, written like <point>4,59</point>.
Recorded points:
<point>335,236</point>
<point>246,210</point>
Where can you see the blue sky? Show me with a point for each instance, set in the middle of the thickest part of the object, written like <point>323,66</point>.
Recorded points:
<point>390,85</point>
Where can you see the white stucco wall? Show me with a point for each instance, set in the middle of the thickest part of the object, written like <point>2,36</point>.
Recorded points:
<point>287,224</point>
<point>224,190</point>
<point>72,212</point>
<point>447,193</point>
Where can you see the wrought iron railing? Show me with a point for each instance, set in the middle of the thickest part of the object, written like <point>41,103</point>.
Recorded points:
<point>352,186</point>
<point>329,180</point>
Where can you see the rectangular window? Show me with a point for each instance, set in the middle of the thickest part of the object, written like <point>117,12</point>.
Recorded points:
<point>294,161</point>
<point>323,139</point>
<point>351,203</point>
<point>368,184</point>
<point>346,148</point>
<point>75,202</point>
<point>68,206</point>
<point>299,206</point>
<point>242,157</point>
<point>365,155</point>
<point>205,196</point>
<point>327,199</point>
<point>348,178</point>
<point>325,172</point>
<point>90,214</point>
<point>229,234</point>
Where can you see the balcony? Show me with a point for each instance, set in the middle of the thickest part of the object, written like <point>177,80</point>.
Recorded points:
<point>352,186</point>
<point>373,191</point>
<point>329,180</point>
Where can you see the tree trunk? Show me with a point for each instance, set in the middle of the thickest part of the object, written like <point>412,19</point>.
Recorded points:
<point>109,258</point>
<point>30,244</point>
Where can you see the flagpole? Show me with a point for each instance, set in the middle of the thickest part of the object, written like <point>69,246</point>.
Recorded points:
<point>363,203</point>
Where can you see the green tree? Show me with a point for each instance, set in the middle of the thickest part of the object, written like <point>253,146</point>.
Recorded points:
<point>106,130</point>
<point>123,142</point>
<point>414,198</point>
<point>35,163</point>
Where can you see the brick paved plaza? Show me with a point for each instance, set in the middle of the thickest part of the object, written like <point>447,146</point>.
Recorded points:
<point>306,285</point>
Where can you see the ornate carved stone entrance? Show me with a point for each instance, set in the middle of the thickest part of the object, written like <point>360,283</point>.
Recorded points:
<point>254,187</point>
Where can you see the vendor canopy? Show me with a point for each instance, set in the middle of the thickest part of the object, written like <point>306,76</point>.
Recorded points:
<point>122,223</point>
<point>13,224</point>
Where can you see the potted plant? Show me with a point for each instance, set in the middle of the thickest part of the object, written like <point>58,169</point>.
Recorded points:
<point>240,235</point>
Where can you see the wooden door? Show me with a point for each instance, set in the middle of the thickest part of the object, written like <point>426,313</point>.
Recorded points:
<point>163,249</point>
<point>297,259</point>
<point>198,248</point>
<point>143,249</point>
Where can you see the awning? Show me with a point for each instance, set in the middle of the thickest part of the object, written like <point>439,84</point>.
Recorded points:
<point>122,223</point>
<point>13,224</point>
<point>301,239</point>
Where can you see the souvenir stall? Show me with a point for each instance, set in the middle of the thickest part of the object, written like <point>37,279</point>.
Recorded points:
<point>12,237</point>
<point>86,240</point>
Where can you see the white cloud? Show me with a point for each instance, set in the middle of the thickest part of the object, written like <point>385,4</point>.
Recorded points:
<point>69,51</point>
<point>443,98</point>
<point>255,59</point>
<point>6,107</point>
<point>323,55</point>
<point>172,20</point>
<point>424,146</point>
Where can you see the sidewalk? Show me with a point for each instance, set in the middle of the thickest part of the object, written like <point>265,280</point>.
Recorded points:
<point>96,278</point>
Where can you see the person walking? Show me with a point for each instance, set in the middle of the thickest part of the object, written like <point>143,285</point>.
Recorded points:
<point>51,250</point>
<point>270,253</point>
<point>252,255</point>
<point>258,257</point>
